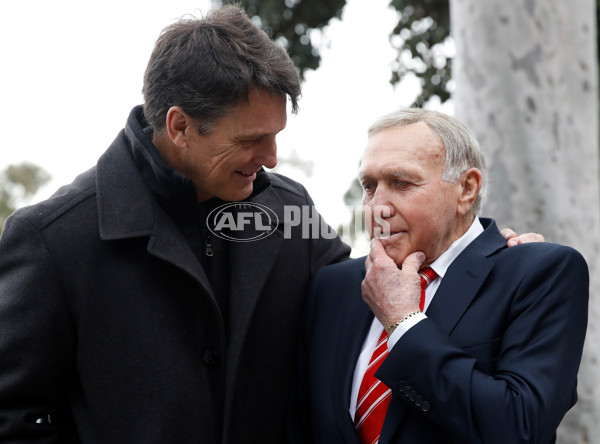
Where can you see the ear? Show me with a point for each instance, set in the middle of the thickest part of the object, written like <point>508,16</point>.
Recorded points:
<point>177,126</point>
<point>470,182</point>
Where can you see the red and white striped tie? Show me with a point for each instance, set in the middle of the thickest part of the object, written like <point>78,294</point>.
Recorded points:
<point>373,395</point>
<point>427,277</point>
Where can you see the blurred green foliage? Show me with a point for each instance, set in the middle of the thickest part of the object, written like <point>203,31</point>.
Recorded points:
<point>18,183</point>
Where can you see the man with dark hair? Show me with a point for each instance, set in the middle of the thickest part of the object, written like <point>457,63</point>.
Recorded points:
<point>123,318</point>
<point>127,314</point>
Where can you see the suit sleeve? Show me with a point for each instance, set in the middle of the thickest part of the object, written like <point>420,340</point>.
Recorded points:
<point>35,337</point>
<point>534,382</point>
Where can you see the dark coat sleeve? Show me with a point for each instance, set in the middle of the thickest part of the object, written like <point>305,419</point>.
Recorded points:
<point>36,338</point>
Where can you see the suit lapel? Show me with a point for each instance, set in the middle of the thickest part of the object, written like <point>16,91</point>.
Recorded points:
<point>357,319</point>
<point>464,278</point>
<point>459,287</point>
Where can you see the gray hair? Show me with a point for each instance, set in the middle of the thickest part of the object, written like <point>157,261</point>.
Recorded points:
<point>462,149</point>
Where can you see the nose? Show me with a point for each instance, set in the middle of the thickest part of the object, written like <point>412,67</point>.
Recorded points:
<point>381,203</point>
<point>267,153</point>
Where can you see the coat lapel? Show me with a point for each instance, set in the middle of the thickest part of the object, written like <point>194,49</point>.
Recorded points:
<point>248,275</point>
<point>250,265</point>
<point>136,214</point>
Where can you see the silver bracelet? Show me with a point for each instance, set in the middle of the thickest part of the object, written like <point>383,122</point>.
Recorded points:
<point>393,327</point>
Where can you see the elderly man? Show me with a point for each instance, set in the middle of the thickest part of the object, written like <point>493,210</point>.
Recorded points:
<point>443,334</point>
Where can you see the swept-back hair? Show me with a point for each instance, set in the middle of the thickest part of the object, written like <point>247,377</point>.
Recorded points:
<point>207,66</point>
<point>462,149</point>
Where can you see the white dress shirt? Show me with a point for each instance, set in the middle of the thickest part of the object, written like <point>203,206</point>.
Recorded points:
<point>440,266</point>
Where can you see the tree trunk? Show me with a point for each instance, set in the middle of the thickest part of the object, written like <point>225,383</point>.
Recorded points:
<point>526,83</point>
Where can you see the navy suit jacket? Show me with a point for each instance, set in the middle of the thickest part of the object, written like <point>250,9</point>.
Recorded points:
<point>495,361</point>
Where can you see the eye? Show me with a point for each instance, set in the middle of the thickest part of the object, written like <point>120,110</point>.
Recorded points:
<point>400,184</point>
<point>249,142</point>
<point>367,187</point>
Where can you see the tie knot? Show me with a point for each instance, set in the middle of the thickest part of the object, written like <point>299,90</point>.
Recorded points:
<point>427,276</point>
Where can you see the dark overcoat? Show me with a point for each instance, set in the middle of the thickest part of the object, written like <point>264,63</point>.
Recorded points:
<point>109,328</point>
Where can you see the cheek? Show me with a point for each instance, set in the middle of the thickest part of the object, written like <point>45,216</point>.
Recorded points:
<point>217,157</point>
<point>370,226</point>
<point>367,216</point>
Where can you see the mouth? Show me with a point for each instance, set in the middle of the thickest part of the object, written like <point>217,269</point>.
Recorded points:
<point>247,174</point>
<point>387,235</point>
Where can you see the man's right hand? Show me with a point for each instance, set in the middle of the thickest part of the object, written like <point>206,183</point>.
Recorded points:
<point>390,292</point>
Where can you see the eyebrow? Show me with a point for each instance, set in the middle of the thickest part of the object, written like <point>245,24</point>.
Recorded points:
<point>402,174</point>
<point>250,137</point>
<point>395,173</point>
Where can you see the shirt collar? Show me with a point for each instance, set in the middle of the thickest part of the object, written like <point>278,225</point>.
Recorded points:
<point>441,264</point>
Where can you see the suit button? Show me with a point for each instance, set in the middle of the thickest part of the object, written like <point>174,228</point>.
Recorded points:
<point>425,406</point>
<point>412,395</point>
<point>418,400</point>
<point>209,357</point>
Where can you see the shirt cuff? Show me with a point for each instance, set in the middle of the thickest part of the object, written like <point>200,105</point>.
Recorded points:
<point>403,327</point>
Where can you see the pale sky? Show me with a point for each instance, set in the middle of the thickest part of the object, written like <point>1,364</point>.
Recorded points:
<point>71,72</point>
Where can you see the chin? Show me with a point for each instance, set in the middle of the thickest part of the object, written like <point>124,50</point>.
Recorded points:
<point>397,256</point>
<point>237,196</point>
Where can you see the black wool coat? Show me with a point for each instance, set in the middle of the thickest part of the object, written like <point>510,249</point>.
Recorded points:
<point>109,328</point>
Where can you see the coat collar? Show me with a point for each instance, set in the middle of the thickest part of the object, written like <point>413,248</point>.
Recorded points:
<point>131,176</point>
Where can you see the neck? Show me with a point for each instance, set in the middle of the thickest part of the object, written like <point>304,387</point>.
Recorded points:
<point>463,224</point>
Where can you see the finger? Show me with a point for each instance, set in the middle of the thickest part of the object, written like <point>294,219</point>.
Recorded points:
<point>508,233</point>
<point>529,237</point>
<point>413,261</point>
<point>377,249</point>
